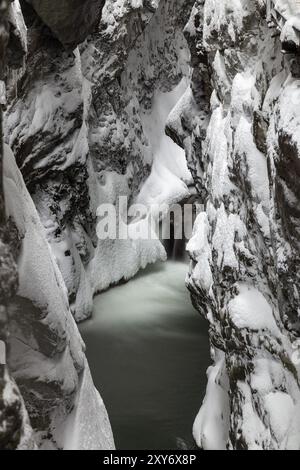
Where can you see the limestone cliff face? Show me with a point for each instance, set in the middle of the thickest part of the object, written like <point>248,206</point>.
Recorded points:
<point>239,125</point>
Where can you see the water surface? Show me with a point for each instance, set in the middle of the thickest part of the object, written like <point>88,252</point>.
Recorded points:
<point>148,351</point>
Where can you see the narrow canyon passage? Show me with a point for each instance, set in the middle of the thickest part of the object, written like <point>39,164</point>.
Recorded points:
<point>121,123</point>
<point>148,351</point>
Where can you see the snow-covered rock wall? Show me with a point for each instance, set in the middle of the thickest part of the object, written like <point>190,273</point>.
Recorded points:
<point>89,87</point>
<point>15,429</point>
<point>76,123</point>
<point>239,124</point>
<point>84,81</point>
<point>47,396</point>
<point>46,352</point>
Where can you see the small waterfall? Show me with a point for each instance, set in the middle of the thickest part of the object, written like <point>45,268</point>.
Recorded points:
<point>176,246</point>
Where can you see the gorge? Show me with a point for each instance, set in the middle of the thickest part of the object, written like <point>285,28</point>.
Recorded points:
<point>160,102</point>
<point>149,358</point>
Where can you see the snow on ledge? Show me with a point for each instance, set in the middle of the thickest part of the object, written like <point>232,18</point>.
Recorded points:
<point>249,309</point>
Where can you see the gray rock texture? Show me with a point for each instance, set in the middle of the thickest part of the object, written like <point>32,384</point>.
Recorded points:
<point>71,21</point>
<point>15,430</point>
<point>74,125</point>
<point>47,396</point>
<point>239,125</point>
<point>83,83</point>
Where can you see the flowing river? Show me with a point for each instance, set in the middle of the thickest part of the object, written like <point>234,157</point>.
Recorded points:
<point>148,351</point>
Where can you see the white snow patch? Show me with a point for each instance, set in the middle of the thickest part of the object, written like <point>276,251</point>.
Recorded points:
<point>216,146</point>
<point>81,431</point>
<point>211,426</point>
<point>227,228</point>
<point>169,176</point>
<point>250,309</point>
<point>280,408</point>
<point>200,250</point>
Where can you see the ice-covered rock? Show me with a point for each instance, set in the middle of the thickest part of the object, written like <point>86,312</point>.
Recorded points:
<point>15,429</point>
<point>46,353</point>
<point>77,128</point>
<point>75,125</point>
<point>85,115</point>
<point>47,395</point>
<point>239,127</point>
